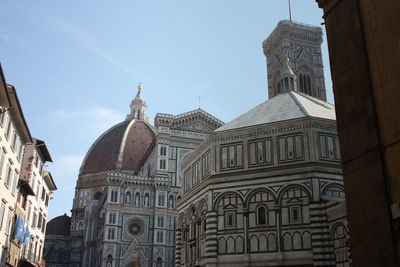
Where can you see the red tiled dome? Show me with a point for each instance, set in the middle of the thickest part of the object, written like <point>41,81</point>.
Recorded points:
<point>123,146</point>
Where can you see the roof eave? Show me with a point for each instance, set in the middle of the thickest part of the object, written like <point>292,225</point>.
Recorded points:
<point>18,115</point>
<point>4,97</point>
<point>48,178</point>
<point>41,145</point>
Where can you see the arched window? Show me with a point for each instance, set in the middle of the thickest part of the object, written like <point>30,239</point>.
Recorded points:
<point>109,261</point>
<point>137,199</point>
<point>308,85</point>
<point>261,215</point>
<point>171,201</point>
<point>159,262</point>
<point>97,195</point>
<point>301,83</point>
<point>138,114</point>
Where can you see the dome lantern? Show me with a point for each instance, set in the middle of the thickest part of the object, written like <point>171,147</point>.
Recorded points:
<point>138,106</point>
<point>288,81</point>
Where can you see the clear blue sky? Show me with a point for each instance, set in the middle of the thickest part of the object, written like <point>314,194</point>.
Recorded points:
<point>76,64</point>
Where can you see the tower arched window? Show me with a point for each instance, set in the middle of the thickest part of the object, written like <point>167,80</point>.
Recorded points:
<point>301,83</point>
<point>308,84</point>
<point>138,114</point>
<point>305,83</point>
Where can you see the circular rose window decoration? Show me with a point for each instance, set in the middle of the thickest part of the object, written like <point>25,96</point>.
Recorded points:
<point>135,227</point>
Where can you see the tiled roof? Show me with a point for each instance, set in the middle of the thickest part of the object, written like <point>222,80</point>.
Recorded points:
<point>125,143</point>
<point>282,107</point>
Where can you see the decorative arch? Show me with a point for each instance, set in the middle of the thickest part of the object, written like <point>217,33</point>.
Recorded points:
<point>221,245</point>
<point>258,190</point>
<point>239,244</point>
<point>254,243</point>
<point>218,199</point>
<point>293,186</point>
<point>339,237</point>
<point>333,190</point>
<point>230,245</point>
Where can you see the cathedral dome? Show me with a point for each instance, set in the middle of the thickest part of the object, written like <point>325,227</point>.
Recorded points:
<point>59,226</point>
<point>123,147</point>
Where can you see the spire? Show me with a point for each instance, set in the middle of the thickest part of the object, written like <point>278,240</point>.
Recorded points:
<point>288,81</point>
<point>138,106</point>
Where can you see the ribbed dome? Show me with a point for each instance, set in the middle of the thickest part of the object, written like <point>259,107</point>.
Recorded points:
<point>122,146</point>
<point>59,226</point>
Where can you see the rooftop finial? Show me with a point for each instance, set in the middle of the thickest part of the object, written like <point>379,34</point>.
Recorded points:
<point>140,87</point>
<point>290,12</point>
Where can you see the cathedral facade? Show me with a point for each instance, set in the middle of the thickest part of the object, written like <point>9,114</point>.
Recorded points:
<point>266,189</point>
<point>124,210</point>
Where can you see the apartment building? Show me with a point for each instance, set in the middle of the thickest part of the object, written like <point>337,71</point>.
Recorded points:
<point>14,135</point>
<point>25,186</point>
<point>42,184</point>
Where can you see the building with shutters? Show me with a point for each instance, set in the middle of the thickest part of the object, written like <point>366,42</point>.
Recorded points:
<point>14,135</point>
<point>25,187</point>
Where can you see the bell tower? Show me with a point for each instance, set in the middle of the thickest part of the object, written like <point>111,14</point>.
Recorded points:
<point>301,45</point>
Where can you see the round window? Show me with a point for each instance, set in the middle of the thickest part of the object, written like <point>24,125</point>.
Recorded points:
<point>135,227</point>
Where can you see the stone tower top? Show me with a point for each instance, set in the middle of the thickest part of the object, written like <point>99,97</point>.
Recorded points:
<point>138,106</point>
<point>302,45</point>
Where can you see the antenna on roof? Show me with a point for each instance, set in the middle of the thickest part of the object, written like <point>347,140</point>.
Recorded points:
<point>290,12</point>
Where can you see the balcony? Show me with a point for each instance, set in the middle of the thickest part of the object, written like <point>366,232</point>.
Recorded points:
<point>30,259</point>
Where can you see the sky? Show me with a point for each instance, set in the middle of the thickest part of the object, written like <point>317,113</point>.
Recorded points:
<point>76,65</point>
